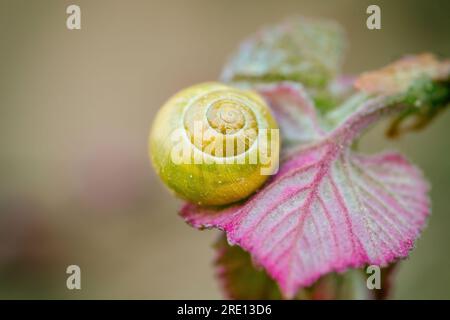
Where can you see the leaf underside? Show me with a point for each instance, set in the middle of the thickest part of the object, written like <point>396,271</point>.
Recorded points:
<point>241,279</point>
<point>328,210</point>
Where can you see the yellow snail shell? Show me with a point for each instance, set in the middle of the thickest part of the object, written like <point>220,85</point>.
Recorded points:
<point>207,141</point>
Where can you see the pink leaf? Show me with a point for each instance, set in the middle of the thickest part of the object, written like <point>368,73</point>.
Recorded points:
<point>294,111</point>
<point>240,279</point>
<point>328,208</point>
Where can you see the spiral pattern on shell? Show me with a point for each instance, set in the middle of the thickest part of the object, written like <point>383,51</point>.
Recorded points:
<point>206,143</point>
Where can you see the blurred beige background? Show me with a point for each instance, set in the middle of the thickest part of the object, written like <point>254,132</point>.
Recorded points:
<point>76,106</point>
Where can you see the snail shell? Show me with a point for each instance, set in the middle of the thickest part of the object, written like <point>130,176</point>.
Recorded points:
<point>213,144</point>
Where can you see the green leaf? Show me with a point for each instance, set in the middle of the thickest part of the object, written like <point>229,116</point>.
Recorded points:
<point>425,100</point>
<point>302,50</point>
<point>420,82</point>
<point>239,278</point>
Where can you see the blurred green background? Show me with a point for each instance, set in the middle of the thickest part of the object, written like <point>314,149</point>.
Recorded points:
<point>76,107</point>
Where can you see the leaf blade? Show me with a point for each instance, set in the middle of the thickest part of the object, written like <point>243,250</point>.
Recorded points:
<point>330,209</point>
